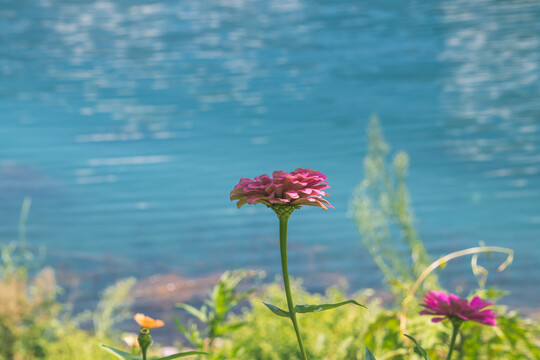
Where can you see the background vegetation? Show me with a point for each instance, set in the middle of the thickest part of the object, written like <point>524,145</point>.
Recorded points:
<point>34,325</point>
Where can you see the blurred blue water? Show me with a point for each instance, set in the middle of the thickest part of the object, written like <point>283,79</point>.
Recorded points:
<point>128,123</point>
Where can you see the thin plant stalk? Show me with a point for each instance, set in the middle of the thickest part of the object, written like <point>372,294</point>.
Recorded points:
<point>283,220</point>
<point>456,325</point>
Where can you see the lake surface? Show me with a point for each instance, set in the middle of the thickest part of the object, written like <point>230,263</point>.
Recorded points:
<point>129,122</point>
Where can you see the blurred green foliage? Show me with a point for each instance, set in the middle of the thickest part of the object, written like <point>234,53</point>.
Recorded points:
<point>382,211</point>
<point>34,325</point>
<point>213,314</point>
<point>343,333</point>
<point>113,308</point>
<point>327,334</point>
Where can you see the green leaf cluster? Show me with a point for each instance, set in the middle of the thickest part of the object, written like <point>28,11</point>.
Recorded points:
<point>326,334</point>
<point>344,333</point>
<point>213,314</point>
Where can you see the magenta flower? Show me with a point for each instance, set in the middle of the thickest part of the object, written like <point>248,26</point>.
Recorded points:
<point>438,303</point>
<point>299,187</point>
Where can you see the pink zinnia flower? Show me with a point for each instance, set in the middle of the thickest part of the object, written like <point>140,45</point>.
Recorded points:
<point>438,303</point>
<point>299,187</point>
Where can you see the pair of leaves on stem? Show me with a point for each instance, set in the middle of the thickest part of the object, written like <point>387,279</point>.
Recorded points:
<point>127,356</point>
<point>302,309</point>
<point>418,349</point>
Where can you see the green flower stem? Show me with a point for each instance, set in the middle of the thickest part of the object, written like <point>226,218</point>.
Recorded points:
<point>283,219</point>
<point>144,354</point>
<point>456,323</point>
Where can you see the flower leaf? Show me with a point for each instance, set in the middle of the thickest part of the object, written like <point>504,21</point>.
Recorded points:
<point>175,356</point>
<point>121,354</point>
<point>228,328</point>
<point>277,310</point>
<point>179,325</point>
<point>369,355</point>
<point>418,347</point>
<point>199,314</point>
<point>316,308</point>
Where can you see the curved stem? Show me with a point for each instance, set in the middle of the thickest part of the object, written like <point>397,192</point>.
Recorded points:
<point>455,331</point>
<point>283,248</point>
<point>457,254</point>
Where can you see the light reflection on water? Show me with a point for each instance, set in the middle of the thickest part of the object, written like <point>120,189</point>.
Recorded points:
<point>129,124</point>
